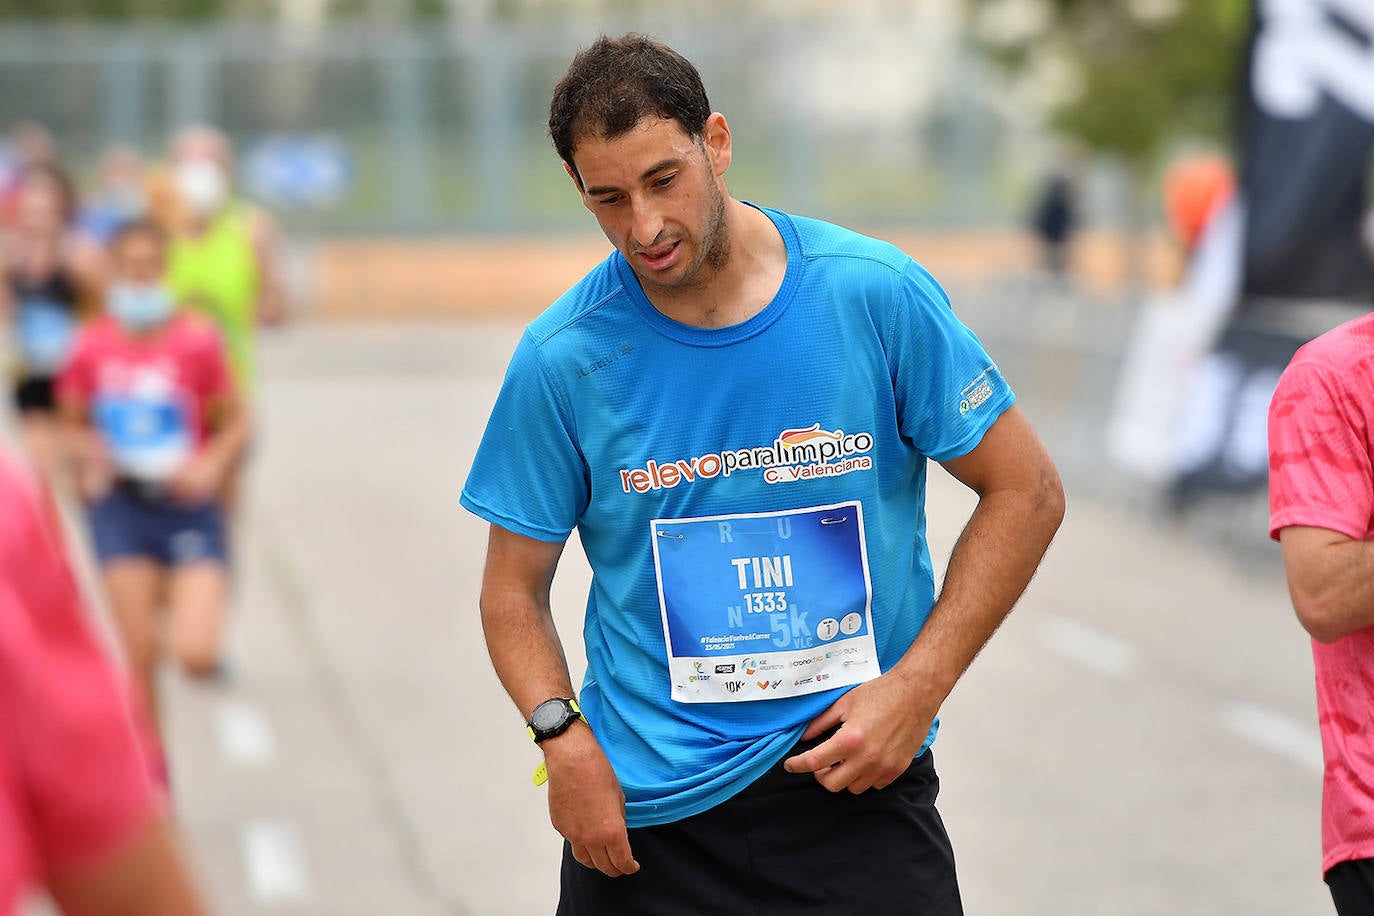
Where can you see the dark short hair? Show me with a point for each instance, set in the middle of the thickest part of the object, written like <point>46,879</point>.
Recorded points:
<point>611,86</point>
<point>135,227</point>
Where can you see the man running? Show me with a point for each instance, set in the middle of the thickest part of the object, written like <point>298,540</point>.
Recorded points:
<point>1321,493</point>
<point>159,426</point>
<point>79,811</point>
<point>735,411</point>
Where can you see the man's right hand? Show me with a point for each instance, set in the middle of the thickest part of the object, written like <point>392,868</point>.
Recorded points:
<point>586,804</point>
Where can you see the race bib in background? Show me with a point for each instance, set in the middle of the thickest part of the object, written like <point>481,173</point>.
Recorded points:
<point>46,331</point>
<point>148,437</point>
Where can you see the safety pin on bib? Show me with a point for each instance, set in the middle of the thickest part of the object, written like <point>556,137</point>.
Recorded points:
<point>835,521</point>
<point>675,537</point>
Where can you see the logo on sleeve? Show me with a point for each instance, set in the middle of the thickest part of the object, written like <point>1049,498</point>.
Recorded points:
<point>795,454</point>
<point>977,393</point>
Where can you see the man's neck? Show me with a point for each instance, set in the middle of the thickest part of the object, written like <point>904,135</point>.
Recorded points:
<point>733,293</point>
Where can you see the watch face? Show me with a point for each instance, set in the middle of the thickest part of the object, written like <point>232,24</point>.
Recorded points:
<point>549,714</point>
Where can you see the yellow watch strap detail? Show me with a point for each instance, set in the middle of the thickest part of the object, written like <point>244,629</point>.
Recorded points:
<point>541,774</point>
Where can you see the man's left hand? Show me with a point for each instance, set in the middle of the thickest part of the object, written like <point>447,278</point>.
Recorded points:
<point>882,724</point>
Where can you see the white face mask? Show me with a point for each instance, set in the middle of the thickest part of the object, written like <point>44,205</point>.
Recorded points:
<point>139,307</point>
<point>202,185</point>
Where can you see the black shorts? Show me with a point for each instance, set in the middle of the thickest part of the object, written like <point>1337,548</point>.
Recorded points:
<point>786,846</point>
<point>35,394</point>
<point>1352,887</point>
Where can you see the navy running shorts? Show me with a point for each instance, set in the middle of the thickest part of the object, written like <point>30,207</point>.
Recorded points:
<point>786,846</point>
<point>125,525</point>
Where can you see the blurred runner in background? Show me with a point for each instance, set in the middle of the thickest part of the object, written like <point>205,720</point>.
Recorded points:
<point>120,195</point>
<point>225,257</point>
<point>52,274</point>
<point>158,426</point>
<point>30,146</point>
<point>79,811</point>
<point>1056,218</point>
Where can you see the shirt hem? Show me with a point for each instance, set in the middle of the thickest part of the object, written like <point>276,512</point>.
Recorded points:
<point>1342,854</point>
<point>500,519</point>
<point>676,811</point>
<point>1299,517</point>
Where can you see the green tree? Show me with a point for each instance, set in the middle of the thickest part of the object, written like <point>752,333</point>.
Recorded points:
<point>1148,71</point>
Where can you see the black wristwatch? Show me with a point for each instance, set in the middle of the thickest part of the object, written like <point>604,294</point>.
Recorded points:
<point>552,718</point>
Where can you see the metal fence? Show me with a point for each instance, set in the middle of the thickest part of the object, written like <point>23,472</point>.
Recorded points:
<point>443,127</point>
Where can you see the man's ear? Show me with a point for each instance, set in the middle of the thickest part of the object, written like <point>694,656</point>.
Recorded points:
<point>716,136</point>
<point>576,180</point>
<point>577,183</point>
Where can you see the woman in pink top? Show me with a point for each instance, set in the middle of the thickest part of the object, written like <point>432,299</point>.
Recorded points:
<point>79,813</point>
<point>158,427</point>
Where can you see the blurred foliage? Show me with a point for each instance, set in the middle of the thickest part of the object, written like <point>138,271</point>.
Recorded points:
<point>1148,72</point>
<point>192,10</point>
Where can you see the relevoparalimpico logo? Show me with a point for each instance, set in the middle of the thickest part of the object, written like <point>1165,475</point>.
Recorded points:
<point>795,454</point>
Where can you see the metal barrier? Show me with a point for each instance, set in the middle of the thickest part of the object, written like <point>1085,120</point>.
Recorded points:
<point>866,120</point>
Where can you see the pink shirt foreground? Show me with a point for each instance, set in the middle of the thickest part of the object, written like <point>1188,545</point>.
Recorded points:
<point>74,781</point>
<point>1321,475</point>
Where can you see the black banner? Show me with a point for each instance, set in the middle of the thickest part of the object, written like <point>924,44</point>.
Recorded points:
<point>1306,130</point>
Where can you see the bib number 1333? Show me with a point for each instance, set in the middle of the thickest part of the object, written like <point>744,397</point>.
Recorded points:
<point>764,605</point>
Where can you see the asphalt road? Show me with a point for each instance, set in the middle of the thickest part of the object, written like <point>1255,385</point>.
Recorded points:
<point>1139,738</point>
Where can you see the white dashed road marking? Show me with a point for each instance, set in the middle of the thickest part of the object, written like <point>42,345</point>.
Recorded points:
<point>244,735</point>
<point>1093,649</point>
<point>274,858</point>
<point>1275,732</point>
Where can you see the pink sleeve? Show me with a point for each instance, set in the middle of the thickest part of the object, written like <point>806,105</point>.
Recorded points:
<point>84,772</point>
<point>1320,473</point>
<point>76,381</point>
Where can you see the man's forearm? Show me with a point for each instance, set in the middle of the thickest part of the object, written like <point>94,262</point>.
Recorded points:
<point>525,650</point>
<point>990,566</point>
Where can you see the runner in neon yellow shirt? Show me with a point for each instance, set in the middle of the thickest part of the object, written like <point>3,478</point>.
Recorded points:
<point>224,259</point>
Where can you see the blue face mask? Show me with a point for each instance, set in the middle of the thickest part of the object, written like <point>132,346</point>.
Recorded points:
<point>139,308</point>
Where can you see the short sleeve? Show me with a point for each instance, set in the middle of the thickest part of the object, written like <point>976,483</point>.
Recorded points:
<point>529,476</point>
<point>83,771</point>
<point>948,390</point>
<point>1320,473</point>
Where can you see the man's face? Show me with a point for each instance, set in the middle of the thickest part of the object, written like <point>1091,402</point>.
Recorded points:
<point>657,194</point>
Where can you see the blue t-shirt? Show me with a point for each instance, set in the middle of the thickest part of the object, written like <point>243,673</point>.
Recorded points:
<point>751,498</point>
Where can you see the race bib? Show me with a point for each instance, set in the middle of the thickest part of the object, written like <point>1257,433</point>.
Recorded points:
<point>46,331</point>
<point>765,605</point>
<point>148,438</point>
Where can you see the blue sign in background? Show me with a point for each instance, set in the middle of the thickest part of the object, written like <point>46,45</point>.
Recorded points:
<point>703,597</point>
